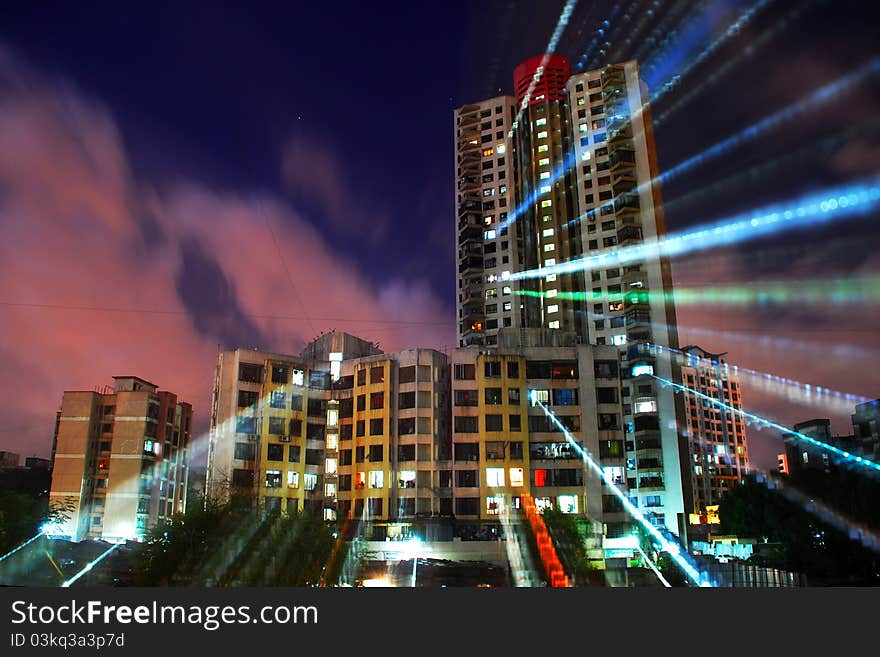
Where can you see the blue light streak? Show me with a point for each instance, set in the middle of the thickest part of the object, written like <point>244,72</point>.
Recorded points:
<point>26,543</point>
<point>90,565</point>
<point>828,205</point>
<point>721,69</point>
<point>632,34</point>
<point>663,27</point>
<point>847,457</point>
<point>684,42</point>
<point>568,163</point>
<point>732,30</point>
<point>819,97</point>
<point>551,48</point>
<point>674,549</point>
<point>811,393</point>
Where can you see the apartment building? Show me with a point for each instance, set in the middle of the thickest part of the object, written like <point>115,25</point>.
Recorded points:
<point>716,431</point>
<point>342,429</point>
<point>120,459</point>
<point>581,153</point>
<point>504,445</point>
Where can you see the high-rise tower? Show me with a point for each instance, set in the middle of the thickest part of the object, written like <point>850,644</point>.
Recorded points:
<point>582,170</point>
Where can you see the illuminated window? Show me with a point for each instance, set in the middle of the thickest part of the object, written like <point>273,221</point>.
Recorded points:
<point>487,152</point>
<point>554,324</point>
<point>544,162</point>
<point>494,504</point>
<point>360,480</point>
<point>377,478</point>
<point>292,479</point>
<point>500,149</point>
<point>585,156</point>
<point>549,247</point>
<point>582,127</point>
<point>516,476</point>
<point>329,490</point>
<point>299,377</point>
<point>552,293</point>
<point>614,474</point>
<point>310,481</point>
<point>549,262</point>
<point>544,175</point>
<point>546,189</point>
<point>568,503</point>
<point>273,478</point>
<point>545,218</point>
<point>488,220</point>
<point>148,446</point>
<point>645,407</point>
<point>332,417</point>
<point>494,477</point>
<point>546,204</point>
<point>581,100</point>
<point>505,275</point>
<point>551,278</point>
<point>638,370</point>
<point>543,148</point>
<point>489,234</point>
<point>547,232</point>
<point>535,396</point>
<point>618,339</point>
<point>553,309</point>
<point>330,466</point>
<point>506,290</point>
<point>541,122</point>
<point>406,479</point>
<point>542,134</point>
<point>542,503</point>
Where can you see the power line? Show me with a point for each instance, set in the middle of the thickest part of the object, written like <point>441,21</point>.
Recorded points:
<point>152,311</point>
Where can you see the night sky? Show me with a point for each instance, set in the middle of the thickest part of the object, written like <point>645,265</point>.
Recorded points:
<point>177,178</point>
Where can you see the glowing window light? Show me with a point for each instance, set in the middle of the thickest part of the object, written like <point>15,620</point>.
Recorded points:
<point>516,476</point>
<point>488,152</point>
<point>567,503</point>
<point>505,275</point>
<point>583,127</point>
<point>489,234</point>
<point>549,262</point>
<point>546,189</point>
<point>553,309</point>
<point>299,377</point>
<point>544,162</point>
<point>543,148</point>
<point>641,369</point>
<point>551,278</point>
<point>330,466</point>
<point>547,232</point>
<point>544,175</point>
<point>292,479</point>
<point>540,122</point>
<point>552,293</point>
<point>494,477</point>
<point>549,247</point>
<point>542,134</point>
<point>618,339</point>
<point>546,204</point>
<point>554,324</point>
<point>585,156</point>
<point>645,407</point>
<point>501,149</point>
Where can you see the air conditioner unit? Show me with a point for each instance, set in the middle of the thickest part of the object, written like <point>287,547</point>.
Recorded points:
<point>253,437</point>
<point>284,439</point>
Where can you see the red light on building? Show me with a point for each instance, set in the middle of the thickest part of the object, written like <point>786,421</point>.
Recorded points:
<point>549,74</point>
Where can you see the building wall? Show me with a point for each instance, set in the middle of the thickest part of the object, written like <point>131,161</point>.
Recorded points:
<point>717,437</point>
<point>119,462</point>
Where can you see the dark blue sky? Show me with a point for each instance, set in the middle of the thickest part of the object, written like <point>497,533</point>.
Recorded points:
<point>216,94</point>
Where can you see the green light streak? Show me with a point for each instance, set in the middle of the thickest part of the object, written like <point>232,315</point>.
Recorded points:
<point>836,291</point>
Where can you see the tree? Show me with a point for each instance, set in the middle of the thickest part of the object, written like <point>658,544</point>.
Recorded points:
<point>805,544</point>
